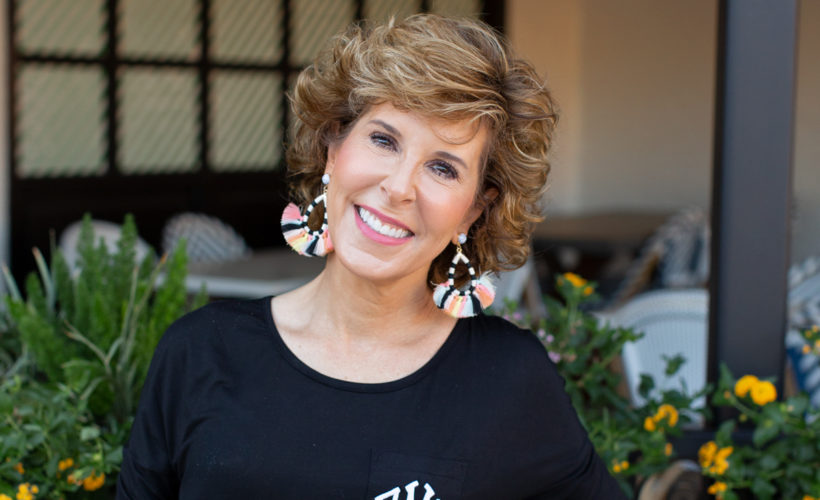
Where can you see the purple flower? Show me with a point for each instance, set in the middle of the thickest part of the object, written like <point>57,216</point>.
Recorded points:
<point>554,356</point>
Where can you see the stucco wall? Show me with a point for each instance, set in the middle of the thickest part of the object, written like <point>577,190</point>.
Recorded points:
<point>636,82</point>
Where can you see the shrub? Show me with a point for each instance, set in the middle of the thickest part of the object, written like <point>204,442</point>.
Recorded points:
<point>84,341</point>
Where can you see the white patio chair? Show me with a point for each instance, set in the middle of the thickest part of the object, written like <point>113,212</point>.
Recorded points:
<point>208,239</point>
<point>108,232</point>
<point>521,286</point>
<point>673,322</point>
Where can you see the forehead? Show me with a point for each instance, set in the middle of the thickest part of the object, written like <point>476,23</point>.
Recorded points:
<point>463,132</point>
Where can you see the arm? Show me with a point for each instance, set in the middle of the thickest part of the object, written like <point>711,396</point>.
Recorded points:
<point>147,471</point>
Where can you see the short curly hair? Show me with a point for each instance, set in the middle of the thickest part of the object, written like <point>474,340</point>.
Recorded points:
<point>454,69</point>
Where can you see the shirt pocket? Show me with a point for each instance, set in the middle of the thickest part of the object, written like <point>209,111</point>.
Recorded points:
<point>398,476</point>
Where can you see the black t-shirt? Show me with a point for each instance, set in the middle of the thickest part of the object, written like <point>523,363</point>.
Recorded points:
<point>228,411</point>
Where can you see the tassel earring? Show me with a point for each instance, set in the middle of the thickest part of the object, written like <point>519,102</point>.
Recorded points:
<point>299,235</point>
<point>464,303</point>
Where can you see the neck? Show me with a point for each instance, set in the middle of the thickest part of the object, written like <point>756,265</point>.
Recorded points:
<point>359,308</point>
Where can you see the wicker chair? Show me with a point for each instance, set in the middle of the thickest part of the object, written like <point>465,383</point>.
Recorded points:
<point>208,239</point>
<point>673,322</point>
<point>678,252</point>
<point>521,286</point>
<point>105,231</point>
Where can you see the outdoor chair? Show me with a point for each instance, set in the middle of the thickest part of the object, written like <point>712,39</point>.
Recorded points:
<point>673,322</point>
<point>208,239</point>
<point>676,255</point>
<point>521,286</point>
<point>804,312</point>
<point>108,232</point>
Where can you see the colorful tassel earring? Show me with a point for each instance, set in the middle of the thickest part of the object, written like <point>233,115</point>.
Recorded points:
<point>464,303</point>
<point>299,235</point>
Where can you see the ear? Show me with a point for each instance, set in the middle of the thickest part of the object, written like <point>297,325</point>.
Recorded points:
<point>475,211</point>
<point>332,150</point>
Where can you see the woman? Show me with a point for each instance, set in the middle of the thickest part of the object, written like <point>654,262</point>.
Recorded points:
<point>427,142</point>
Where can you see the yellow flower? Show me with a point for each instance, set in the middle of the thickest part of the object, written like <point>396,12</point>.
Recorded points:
<point>668,412</point>
<point>3,496</point>
<point>619,466</point>
<point>763,392</point>
<point>805,497</point>
<point>24,493</point>
<point>93,482</point>
<point>716,488</point>
<point>667,450</point>
<point>588,291</point>
<point>649,424</point>
<point>745,384</point>
<point>806,349</point>
<point>721,462</point>
<point>19,468</point>
<point>65,464</point>
<point>577,281</point>
<point>817,343</point>
<point>707,453</point>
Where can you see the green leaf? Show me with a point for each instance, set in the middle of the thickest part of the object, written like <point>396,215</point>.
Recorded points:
<point>673,364</point>
<point>646,385</point>
<point>769,462</point>
<point>88,433</point>
<point>723,436</point>
<point>763,489</point>
<point>766,430</point>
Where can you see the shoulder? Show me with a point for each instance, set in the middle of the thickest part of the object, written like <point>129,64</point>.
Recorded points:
<point>513,353</point>
<point>212,323</point>
<point>501,336</point>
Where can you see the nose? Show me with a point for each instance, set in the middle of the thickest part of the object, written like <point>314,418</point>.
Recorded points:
<point>399,186</point>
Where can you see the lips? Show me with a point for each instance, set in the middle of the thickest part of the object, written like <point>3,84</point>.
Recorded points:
<point>383,225</point>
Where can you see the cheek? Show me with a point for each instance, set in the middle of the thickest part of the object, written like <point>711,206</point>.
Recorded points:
<point>446,209</point>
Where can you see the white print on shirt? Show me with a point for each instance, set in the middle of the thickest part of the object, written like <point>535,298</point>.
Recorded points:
<point>395,493</point>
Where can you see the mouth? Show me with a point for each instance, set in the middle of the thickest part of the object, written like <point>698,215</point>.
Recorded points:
<point>381,225</point>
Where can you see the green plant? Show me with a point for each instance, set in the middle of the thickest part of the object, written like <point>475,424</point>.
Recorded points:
<point>783,458</point>
<point>633,442</point>
<point>51,442</point>
<point>85,343</point>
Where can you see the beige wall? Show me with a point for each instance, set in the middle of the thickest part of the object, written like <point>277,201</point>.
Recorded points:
<point>806,226</point>
<point>635,80</point>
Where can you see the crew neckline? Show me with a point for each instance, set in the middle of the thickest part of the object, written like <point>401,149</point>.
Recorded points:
<point>346,385</point>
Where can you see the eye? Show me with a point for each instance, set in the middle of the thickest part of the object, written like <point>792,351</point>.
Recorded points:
<point>444,169</point>
<point>383,140</point>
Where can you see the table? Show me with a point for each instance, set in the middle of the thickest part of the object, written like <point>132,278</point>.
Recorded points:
<point>612,232</point>
<point>579,239</point>
<point>265,272</point>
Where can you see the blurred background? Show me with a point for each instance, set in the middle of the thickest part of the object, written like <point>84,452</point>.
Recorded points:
<point>159,107</point>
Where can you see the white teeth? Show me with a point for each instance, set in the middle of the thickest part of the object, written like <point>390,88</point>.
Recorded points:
<point>382,228</point>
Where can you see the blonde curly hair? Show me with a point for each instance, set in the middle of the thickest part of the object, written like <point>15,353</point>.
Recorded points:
<point>455,69</point>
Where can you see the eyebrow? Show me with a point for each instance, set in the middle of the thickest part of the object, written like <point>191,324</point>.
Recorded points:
<point>444,154</point>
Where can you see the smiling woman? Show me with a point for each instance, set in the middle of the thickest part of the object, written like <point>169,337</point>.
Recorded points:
<point>423,144</point>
